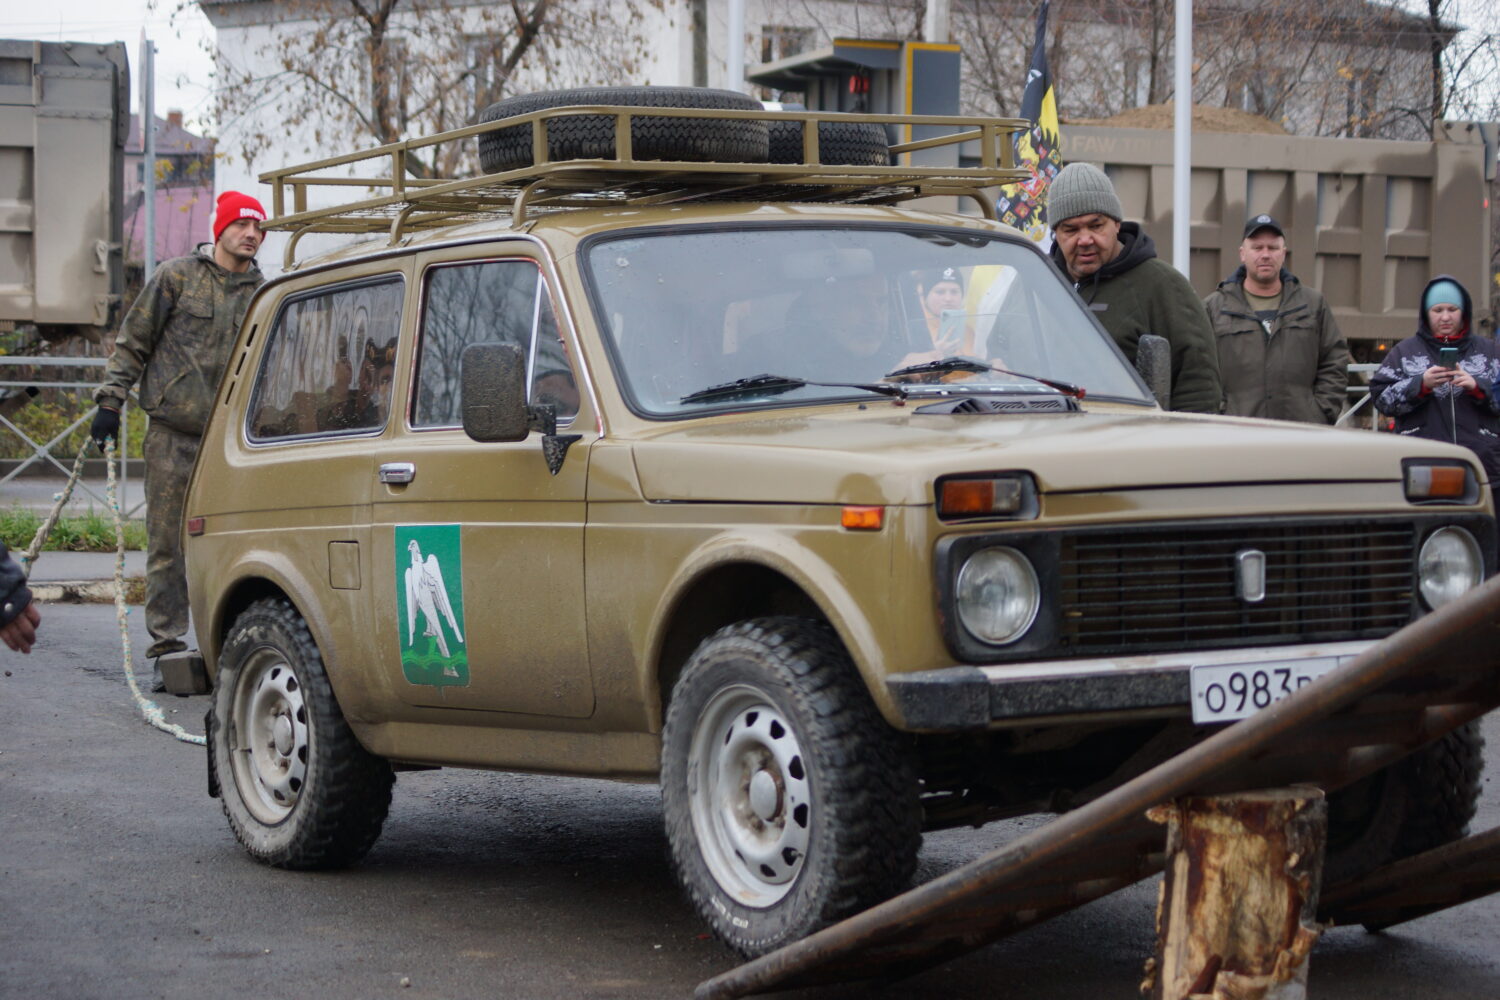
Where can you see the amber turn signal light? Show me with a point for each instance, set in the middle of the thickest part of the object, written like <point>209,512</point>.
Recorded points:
<point>968,497</point>
<point>863,518</point>
<point>1440,482</point>
<point>985,496</point>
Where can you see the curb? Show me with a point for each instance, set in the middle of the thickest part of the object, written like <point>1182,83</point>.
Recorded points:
<point>87,591</point>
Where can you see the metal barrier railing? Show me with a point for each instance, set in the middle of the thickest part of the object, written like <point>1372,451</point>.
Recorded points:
<point>1364,405</point>
<point>42,452</point>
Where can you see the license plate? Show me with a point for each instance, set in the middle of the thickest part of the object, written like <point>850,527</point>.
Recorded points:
<point>1223,692</point>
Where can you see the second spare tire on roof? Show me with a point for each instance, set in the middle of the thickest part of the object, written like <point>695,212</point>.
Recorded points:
<point>592,137</point>
<point>861,144</point>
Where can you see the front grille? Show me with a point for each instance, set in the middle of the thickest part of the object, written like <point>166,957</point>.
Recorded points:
<point>1175,588</point>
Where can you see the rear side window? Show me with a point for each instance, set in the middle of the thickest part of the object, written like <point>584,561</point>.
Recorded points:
<point>492,302</point>
<point>330,362</point>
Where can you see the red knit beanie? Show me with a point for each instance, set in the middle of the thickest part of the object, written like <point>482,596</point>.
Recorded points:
<point>232,206</point>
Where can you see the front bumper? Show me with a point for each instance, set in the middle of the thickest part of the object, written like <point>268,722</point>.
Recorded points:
<point>955,699</point>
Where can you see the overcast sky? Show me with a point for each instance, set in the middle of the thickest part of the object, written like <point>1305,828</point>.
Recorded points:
<point>184,69</point>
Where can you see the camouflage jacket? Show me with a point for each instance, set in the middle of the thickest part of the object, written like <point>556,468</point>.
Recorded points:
<point>176,339</point>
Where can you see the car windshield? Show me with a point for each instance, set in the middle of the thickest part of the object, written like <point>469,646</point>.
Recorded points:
<point>685,312</point>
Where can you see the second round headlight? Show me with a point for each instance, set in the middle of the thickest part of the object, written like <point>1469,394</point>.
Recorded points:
<point>1448,566</point>
<point>997,595</point>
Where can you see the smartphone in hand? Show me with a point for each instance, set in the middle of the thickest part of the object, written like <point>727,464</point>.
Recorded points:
<point>1448,357</point>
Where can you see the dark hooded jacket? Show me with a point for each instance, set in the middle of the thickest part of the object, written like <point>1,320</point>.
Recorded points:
<point>1139,293</point>
<point>1446,413</point>
<point>1297,369</point>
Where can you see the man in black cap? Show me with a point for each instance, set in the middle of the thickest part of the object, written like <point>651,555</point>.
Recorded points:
<point>1280,352</point>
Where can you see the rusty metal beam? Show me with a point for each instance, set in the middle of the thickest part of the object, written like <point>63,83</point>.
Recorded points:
<point>1446,876</point>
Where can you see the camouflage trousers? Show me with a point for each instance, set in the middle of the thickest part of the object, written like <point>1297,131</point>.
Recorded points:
<point>169,462</point>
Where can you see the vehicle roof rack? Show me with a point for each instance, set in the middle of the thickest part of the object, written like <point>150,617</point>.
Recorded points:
<point>401,204</point>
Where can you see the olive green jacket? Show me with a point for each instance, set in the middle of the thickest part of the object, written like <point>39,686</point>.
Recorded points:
<point>1138,293</point>
<point>176,340</point>
<point>1296,370</point>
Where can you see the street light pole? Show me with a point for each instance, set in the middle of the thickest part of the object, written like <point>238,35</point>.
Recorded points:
<point>734,56</point>
<point>148,153</point>
<point>1182,139</point>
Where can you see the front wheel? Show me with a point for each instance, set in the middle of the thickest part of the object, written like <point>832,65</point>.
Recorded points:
<point>297,787</point>
<point>789,803</point>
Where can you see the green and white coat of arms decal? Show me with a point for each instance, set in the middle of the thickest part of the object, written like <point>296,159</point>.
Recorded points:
<point>430,604</point>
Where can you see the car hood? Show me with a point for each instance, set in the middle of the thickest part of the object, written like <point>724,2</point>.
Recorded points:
<point>890,455</point>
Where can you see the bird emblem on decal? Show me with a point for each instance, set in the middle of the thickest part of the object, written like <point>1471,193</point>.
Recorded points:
<point>426,592</point>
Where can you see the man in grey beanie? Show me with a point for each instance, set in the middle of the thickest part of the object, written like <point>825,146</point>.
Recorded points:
<point>1130,290</point>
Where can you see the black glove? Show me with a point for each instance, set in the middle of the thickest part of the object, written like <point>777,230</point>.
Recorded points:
<point>106,425</point>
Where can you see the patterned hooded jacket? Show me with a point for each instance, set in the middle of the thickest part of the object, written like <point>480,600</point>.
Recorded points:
<point>177,337</point>
<point>1446,413</point>
<point>14,594</point>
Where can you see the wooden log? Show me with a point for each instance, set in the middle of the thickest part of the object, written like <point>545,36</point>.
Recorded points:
<point>1236,917</point>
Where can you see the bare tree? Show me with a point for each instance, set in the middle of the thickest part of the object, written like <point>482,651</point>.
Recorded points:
<point>1465,70</point>
<point>349,73</point>
<point>1337,67</point>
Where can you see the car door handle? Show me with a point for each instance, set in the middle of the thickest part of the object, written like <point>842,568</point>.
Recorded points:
<point>398,472</point>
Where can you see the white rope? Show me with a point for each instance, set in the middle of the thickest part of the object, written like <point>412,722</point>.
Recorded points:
<point>149,709</point>
<point>59,500</point>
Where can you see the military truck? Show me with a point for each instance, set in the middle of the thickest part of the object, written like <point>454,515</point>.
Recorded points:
<point>644,456</point>
<point>64,122</point>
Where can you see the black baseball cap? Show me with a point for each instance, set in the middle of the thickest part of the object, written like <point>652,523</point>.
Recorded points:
<point>1258,222</point>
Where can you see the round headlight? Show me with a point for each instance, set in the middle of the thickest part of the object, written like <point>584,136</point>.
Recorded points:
<point>998,595</point>
<point>1448,566</point>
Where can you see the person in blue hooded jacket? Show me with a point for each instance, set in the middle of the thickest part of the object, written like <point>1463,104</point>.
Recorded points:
<point>18,615</point>
<point>1430,398</point>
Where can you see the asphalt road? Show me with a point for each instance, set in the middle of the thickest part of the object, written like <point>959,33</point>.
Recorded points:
<point>119,878</point>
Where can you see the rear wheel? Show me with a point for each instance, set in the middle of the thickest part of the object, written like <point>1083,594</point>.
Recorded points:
<point>297,787</point>
<point>789,803</point>
<point>592,137</point>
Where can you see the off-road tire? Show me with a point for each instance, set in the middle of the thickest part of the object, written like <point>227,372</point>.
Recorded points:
<point>592,137</point>
<point>861,821</point>
<point>275,729</point>
<point>1423,801</point>
<point>860,144</point>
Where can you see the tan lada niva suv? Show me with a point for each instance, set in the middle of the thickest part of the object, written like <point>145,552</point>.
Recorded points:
<point>647,457</point>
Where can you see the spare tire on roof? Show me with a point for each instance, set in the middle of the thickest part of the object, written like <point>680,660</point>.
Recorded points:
<point>592,137</point>
<point>861,144</point>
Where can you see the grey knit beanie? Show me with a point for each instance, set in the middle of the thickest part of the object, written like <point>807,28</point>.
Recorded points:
<point>1081,189</point>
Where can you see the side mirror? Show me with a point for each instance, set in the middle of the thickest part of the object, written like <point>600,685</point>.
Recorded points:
<point>492,386</point>
<point>1153,359</point>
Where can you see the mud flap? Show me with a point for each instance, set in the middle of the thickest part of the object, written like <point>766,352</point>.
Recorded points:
<point>208,734</point>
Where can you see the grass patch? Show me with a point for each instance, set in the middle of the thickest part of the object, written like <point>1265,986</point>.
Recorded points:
<point>92,532</point>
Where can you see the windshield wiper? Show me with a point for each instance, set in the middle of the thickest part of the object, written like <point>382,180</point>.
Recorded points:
<point>771,385</point>
<point>745,388</point>
<point>956,363</point>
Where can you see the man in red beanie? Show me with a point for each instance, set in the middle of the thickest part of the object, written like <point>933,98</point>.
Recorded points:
<point>176,341</point>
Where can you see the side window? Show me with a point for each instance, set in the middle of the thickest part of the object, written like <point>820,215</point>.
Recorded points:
<point>551,374</point>
<point>330,362</point>
<point>496,302</point>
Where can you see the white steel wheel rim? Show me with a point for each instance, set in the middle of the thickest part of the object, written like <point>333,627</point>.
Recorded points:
<point>749,796</point>
<point>269,738</point>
